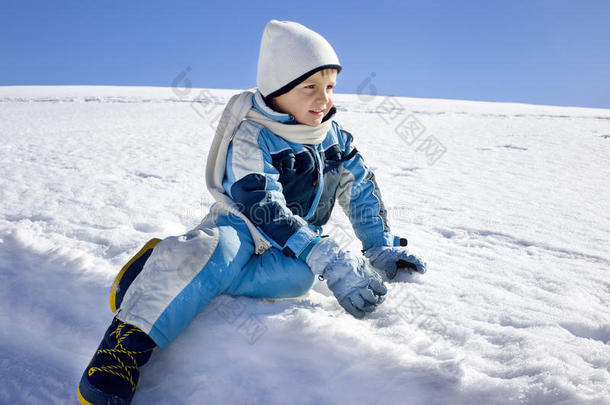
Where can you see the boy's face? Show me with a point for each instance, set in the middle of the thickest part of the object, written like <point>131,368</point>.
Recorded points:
<point>310,100</point>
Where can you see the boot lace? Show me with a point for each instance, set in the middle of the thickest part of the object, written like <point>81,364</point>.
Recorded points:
<point>122,369</point>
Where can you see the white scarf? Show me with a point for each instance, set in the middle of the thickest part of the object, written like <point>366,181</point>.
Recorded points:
<point>240,107</point>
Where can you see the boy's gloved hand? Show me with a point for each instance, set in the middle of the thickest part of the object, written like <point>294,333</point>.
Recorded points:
<point>357,287</point>
<point>392,258</point>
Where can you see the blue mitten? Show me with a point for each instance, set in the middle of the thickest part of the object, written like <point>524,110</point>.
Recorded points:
<point>358,288</point>
<point>392,258</point>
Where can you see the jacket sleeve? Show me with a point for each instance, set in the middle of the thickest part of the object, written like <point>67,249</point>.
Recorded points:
<point>360,198</point>
<point>253,183</point>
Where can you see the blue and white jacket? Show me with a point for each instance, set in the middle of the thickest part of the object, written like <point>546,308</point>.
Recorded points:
<point>288,190</point>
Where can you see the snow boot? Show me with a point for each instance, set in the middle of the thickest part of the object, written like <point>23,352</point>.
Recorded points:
<point>128,273</point>
<point>112,374</point>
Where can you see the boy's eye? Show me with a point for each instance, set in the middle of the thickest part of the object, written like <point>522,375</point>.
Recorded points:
<point>312,86</point>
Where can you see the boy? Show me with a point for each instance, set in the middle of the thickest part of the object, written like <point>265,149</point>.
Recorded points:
<point>277,164</point>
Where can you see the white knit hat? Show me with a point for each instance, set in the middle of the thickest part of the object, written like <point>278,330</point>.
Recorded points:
<point>289,54</point>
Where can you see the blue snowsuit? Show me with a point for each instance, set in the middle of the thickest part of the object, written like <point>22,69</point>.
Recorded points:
<point>288,191</point>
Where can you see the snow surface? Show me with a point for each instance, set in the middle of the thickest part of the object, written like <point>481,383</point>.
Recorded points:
<point>513,220</point>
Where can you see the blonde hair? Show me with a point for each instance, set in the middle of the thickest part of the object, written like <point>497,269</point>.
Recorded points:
<point>328,71</point>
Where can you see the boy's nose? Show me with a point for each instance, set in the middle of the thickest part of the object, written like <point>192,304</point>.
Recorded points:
<point>323,96</point>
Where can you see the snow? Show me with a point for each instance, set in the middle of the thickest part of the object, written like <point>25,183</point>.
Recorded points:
<point>510,208</point>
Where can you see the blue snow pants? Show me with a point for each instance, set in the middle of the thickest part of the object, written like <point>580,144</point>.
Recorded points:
<point>184,273</point>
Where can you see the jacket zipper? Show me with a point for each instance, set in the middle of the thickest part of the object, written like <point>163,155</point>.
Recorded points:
<point>316,179</point>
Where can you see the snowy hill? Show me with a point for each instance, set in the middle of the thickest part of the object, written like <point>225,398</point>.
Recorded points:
<point>508,203</point>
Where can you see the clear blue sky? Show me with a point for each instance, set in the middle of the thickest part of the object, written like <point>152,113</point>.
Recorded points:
<point>541,52</point>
